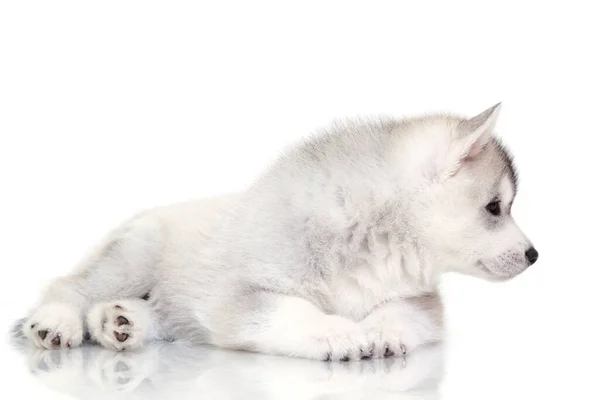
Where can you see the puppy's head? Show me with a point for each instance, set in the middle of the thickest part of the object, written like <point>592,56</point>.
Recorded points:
<point>465,208</point>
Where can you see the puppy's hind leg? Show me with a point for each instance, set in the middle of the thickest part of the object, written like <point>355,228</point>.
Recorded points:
<point>123,266</point>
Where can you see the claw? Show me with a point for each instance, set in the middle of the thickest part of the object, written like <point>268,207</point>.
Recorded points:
<point>388,352</point>
<point>366,356</point>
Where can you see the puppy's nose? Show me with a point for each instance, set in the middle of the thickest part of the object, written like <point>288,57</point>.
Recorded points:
<point>532,255</point>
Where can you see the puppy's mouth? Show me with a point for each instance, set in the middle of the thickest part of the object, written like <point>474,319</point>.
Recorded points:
<point>492,274</point>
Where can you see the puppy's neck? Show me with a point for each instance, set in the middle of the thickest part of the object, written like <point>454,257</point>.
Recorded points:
<point>381,270</point>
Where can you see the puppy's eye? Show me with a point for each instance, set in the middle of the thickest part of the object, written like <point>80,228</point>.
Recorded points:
<point>493,207</point>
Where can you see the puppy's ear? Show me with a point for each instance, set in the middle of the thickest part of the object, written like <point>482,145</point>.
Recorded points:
<point>471,136</point>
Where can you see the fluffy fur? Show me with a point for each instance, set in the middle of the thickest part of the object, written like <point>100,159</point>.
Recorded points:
<point>334,253</point>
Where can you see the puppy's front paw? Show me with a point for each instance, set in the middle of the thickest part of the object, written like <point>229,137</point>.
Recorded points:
<point>119,325</point>
<point>55,325</point>
<point>344,340</point>
<point>386,341</point>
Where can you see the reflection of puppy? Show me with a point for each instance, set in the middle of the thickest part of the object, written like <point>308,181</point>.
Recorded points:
<point>60,370</point>
<point>165,370</point>
<point>120,371</point>
<point>334,253</point>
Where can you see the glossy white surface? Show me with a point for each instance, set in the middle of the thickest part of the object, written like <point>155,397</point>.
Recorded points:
<point>515,340</point>
<point>171,371</point>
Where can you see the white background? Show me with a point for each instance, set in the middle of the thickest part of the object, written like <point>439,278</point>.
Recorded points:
<point>110,107</point>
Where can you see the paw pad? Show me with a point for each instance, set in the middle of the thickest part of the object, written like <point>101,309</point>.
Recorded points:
<point>121,337</point>
<point>56,340</point>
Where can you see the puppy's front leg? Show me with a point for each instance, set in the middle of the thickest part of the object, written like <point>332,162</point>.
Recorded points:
<point>404,324</point>
<point>277,324</point>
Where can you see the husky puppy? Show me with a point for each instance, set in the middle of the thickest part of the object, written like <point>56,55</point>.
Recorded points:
<point>334,253</point>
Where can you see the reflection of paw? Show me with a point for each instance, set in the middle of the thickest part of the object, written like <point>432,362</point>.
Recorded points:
<point>56,368</point>
<point>55,325</point>
<point>119,325</point>
<point>347,380</point>
<point>120,371</point>
<point>421,370</point>
<point>47,361</point>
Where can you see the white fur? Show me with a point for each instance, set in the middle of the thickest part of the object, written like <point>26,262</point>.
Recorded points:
<point>297,328</point>
<point>57,320</point>
<point>103,323</point>
<point>399,326</point>
<point>335,252</point>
